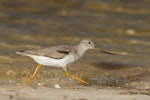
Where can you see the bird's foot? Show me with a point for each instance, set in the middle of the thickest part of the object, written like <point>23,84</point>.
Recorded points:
<point>76,78</point>
<point>29,81</point>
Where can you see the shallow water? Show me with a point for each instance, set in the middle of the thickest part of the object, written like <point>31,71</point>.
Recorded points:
<point>117,26</point>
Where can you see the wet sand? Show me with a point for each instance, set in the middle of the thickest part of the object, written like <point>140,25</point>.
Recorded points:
<point>44,93</point>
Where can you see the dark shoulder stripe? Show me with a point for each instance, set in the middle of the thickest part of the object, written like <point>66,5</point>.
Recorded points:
<point>64,52</point>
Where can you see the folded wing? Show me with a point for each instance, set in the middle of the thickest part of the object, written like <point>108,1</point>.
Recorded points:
<point>56,52</point>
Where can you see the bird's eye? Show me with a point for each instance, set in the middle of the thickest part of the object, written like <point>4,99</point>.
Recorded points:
<point>90,42</point>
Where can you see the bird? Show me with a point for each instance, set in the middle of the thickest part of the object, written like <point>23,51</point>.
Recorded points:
<point>60,56</point>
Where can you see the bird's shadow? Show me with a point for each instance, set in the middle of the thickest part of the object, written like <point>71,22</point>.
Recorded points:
<point>112,65</point>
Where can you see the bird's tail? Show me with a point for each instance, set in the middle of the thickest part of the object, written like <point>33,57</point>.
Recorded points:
<point>20,52</point>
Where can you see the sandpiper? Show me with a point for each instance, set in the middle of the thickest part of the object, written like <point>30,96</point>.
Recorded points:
<point>60,56</point>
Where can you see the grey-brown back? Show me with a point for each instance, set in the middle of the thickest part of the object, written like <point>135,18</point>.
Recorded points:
<point>57,52</point>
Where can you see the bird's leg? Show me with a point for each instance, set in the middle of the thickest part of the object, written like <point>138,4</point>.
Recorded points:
<point>34,73</point>
<point>76,78</point>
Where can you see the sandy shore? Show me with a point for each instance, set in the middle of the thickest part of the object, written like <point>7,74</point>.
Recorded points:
<point>45,93</point>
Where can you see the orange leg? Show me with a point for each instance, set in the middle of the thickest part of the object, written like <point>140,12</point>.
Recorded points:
<point>76,78</point>
<point>34,73</point>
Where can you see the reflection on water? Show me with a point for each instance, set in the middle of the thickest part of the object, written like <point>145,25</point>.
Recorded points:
<point>118,26</point>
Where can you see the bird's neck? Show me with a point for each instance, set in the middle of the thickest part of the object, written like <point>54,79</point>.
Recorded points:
<point>81,50</point>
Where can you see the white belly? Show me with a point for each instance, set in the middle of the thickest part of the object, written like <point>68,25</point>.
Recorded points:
<point>53,62</point>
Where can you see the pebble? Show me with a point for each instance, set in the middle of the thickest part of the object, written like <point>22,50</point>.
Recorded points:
<point>11,73</point>
<point>10,82</point>
<point>130,32</point>
<point>41,84</point>
<point>57,86</point>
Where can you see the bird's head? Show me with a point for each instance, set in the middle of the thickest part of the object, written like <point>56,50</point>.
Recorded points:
<point>87,44</point>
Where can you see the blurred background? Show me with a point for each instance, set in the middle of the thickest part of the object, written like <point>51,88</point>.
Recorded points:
<point>119,26</point>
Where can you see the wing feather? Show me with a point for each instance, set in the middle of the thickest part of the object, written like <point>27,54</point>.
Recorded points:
<point>56,52</point>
